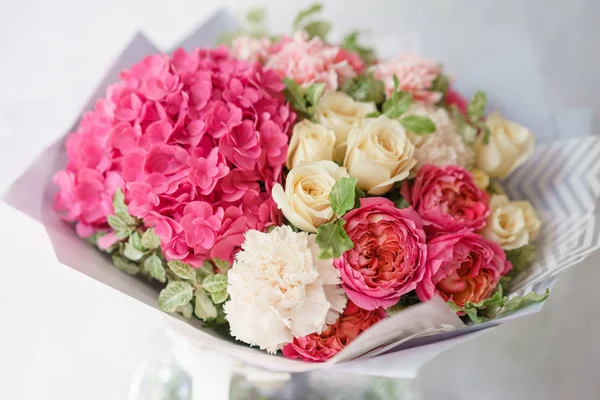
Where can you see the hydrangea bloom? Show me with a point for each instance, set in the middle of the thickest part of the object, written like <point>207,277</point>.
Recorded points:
<point>195,140</point>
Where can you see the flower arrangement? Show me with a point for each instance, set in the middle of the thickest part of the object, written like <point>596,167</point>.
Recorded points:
<point>296,191</point>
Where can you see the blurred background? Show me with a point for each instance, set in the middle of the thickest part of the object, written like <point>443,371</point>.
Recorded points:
<point>63,337</point>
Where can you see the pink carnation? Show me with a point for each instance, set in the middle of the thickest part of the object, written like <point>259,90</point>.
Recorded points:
<point>388,258</point>
<point>319,347</point>
<point>447,199</point>
<point>415,75</point>
<point>187,137</point>
<point>250,48</point>
<point>462,267</point>
<point>454,97</point>
<point>310,61</point>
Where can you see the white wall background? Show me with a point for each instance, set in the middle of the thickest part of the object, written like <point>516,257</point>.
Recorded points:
<point>56,342</point>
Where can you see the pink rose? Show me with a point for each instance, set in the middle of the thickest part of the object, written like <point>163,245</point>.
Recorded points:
<point>462,267</point>
<point>321,347</point>
<point>415,74</point>
<point>388,258</point>
<point>447,199</point>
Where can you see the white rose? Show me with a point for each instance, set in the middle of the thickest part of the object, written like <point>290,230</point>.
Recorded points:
<point>532,221</point>
<point>279,289</point>
<point>506,224</point>
<point>442,147</point>
<point>510,145</point>
<point>379,154</point>
<point>339,112</point>
<point>310,142</point>
<point>305,201</point>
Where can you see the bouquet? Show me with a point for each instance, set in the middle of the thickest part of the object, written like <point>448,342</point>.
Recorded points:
<point>309,199</point>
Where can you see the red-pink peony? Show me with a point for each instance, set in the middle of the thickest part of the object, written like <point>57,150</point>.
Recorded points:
<point>447,199</point>
<point>389,254</point>
<point>195,140</point>
<point>462,267</point>
<point>321,347</point>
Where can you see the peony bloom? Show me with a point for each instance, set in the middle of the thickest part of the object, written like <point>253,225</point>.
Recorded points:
<point>339,112</point>
<point>462,267</point>
<point>388,258</point>
<point>199,129</point>
<point>309,61</point>
<point>379,154</point>
<point>447,199</point>
<point>415,75</point>
<point>442,147</point>
<point>510,145</point>
<point>305,201</point>
<point>279,289</point>
<point>319,347</point>
<point>310,142</point>
<point>512,224</point>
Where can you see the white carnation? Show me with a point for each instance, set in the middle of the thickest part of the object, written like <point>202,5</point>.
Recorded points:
<point>444,146</point>
<point>280,289</point>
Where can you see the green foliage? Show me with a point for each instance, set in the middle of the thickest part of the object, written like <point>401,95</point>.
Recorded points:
<point>131,253</point>
<point>174,295</point>
<point>119,226</point>
<point>120,208</point>
<point>154,267</point>
<point>364,88</point>
<point>222,264</point>
<point>124,265</point>
<point>303,15</point>
<point>350,43</point>
<point>476,107</point>
<point>314,92</point>
<point>182,270</point>
<point>303,101</point>
<point>204,308</point>
<point>398,200</point>
<point>342,195</point>
<point>523,257</point>
<point>418,124</point>
<point>397,104</point>
<point>150,240</point>
<point>441,84</point>
<point>219,297</point>
<point>317,29</point>
<point>215,283</point>
<point>333,240</point>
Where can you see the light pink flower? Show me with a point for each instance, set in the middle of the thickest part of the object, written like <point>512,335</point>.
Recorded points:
<point>309,61</point>
<point>249,48</point>
<point>321,347</point>
<point>462,267</point>
<point>388,258</point>
<point>447,199</point>
<point>415,75</point>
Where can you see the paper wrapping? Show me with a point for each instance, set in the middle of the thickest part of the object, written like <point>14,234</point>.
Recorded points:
<point>561,180</point>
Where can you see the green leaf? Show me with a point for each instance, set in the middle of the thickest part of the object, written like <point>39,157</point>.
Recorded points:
<point>124,265</point>
<point>333,240</point>
<point>256,16</point>
<point>350,42</point>
<point>317,29</point>
<point>219,297</point>
<point>440,84</point>
<point>206,269</point>
<point>307,12</point>
<point>293,93</point>
<point>341,197</point>
<point>476,107</point>
<point>314,92</point>
<point>132,253</point>
<point>485,133</point>
<point>176,294</point>
<point>215,283</point>
<point>397,104</point>
<point>364,88</point>
<point>150,240</point>
<point>136,241</point>
<point>222,264</point>
<point>153,265</point>
<point>182,270</point>
<point>418,124</point>
<point>203,305</point>
<point>523,257</point>
<point>121,229</point>
<point>373,114</point>
<point>120,208</point>
<point>519,302</point>
<point>186,310</point>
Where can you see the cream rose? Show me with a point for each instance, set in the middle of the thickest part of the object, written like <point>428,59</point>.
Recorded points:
<point>506,224</point>
<point>305,201</point>
<point>339,112</point>
<point>510,145</point>
<point>379,154</point>
<point>279,289</point>
<point>532,221</point>
<point>482,180</point>
<point>310,142</point>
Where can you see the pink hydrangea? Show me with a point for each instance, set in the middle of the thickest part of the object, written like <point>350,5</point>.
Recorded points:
<point>306,61</point>
<point>195,140</point>
<point>415,75</point>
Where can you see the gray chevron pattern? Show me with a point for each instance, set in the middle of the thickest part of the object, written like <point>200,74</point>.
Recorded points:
<point>562,181</point>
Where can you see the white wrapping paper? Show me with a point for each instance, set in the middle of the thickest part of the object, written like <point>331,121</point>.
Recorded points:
<point>561,180</point>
